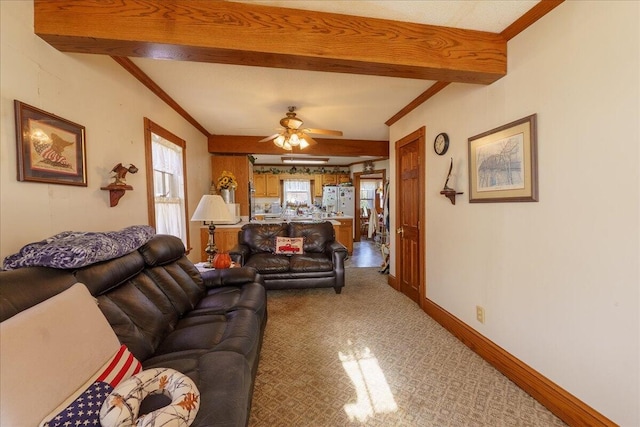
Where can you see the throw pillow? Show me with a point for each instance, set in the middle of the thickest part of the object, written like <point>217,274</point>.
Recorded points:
<point>289,245</point>
<point>56,346</point>
<point>122,406</point>
<point>83,407</point>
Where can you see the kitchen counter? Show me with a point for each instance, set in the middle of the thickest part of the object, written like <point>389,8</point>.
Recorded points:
<point>335,220</point>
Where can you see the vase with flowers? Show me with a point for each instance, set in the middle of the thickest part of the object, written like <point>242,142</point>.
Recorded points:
<point>226,185</point>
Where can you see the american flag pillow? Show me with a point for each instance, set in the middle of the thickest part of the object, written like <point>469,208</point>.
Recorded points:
<point>83,407</point>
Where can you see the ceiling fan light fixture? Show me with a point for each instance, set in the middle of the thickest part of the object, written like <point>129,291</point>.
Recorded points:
<point>291,122</point>
<point>279,141</point>
<point>292,136</point>
<point>294,140</point>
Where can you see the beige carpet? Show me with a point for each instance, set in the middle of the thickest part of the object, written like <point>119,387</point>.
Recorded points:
<point>371,357</point>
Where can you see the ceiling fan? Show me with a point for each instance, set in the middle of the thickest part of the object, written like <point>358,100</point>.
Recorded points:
<point>292,135</point>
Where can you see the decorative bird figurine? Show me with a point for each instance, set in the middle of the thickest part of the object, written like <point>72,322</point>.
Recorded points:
<point>121,172</point>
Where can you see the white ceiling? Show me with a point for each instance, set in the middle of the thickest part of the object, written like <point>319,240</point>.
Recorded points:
<point>244,100</point>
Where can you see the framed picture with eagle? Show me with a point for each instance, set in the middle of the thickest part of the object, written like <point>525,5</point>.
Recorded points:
<point>50,149</point>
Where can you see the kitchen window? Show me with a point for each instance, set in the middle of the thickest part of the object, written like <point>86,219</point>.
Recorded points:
<point>297,192</point>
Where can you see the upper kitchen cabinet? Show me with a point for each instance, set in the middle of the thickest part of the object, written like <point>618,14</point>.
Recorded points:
<point>242,169</point>
<point>266,185</point>
<point>344,179</point>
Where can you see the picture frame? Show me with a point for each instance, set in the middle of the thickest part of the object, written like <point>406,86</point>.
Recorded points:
<point>50,149</point>
<point>503,163</point>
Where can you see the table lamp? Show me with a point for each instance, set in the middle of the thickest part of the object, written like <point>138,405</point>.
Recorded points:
<point>211,208</point>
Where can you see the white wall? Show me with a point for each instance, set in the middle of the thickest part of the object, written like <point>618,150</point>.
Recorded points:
<point>559,279</point>
<point>99,94</point>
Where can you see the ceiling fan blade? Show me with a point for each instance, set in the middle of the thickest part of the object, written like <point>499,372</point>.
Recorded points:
<point>269,138</point>
<point>324,132</point>
<point>309,140</point>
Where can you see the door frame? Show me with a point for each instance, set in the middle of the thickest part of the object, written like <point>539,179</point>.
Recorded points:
<point>356,184</point>
<point>419,136</point>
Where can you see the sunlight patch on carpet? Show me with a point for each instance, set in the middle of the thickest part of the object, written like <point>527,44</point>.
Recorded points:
<point>373,392</point>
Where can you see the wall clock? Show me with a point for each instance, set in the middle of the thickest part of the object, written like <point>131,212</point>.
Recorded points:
<point>441,143</point>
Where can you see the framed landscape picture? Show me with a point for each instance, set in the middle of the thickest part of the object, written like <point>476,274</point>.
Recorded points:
<point>503,164</point>
<point>50,148</point>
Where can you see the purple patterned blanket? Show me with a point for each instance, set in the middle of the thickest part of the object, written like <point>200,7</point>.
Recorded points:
<point>74,249</point>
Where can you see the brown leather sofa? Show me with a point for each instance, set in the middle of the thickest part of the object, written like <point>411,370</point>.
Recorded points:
<point>321,265</point>
<point>208,326</point>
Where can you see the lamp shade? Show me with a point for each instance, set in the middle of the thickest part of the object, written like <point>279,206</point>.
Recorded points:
<point>212,208</point>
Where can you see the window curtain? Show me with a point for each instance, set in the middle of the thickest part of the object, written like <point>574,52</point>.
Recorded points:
<point>169,208</point>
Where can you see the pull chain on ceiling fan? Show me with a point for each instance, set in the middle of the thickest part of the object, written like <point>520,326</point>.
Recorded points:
<point>291,136</point>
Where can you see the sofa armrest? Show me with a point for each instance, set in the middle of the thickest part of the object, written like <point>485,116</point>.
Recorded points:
<point>230,277</point>
<point>240,254</point>
<point>338,253</point>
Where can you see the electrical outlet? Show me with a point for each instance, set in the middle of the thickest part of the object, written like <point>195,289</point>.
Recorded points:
<point>480,313</point>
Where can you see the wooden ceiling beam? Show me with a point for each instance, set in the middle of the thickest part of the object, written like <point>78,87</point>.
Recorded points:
<point>255,35</point>
<point>243,144</point>
<point>518,26</point>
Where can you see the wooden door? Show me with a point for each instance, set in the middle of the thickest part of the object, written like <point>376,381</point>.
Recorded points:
<point>410,215</point>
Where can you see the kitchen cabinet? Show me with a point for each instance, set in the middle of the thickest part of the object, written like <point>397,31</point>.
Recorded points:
<point>266,185</point>
<point>328,179</point>
<point>273,185</point>
<point>343,179</point>
<point>225,238</point>
<point>344,232</point>
<point>317,185</point>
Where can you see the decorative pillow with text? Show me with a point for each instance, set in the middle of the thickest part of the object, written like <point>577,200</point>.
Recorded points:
<point>289,245</point>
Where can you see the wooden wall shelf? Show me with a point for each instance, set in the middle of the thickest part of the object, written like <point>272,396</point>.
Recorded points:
<point>116,191</point>
<point>450,194</point>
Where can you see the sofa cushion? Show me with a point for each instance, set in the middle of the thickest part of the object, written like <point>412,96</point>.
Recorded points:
<point>310,262</point>
<point>22,288</point>
<point>104,276</point>
<point>261,237</point>
<point>219,375</point>
<point>63,341</point>
<point>140,314</point>
<point>250,296</point>
<point>180,282</point>
<point>269,263</point>
<point>316,235</point>
<point>237,331</point>
<point>162,249</point>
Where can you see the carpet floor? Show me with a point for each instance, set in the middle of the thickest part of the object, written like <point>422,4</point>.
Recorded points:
<point>372,357</point>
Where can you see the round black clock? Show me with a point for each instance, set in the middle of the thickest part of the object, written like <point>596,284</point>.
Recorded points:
<point>441,143</point>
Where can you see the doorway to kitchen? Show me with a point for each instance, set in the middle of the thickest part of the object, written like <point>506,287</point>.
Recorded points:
<point>366,253</point>
<point>369,200</point>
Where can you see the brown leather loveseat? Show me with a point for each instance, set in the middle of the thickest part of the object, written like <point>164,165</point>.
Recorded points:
<point>319,265</point>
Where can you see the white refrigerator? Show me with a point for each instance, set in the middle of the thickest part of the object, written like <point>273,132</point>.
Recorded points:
<point>339,199</point>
